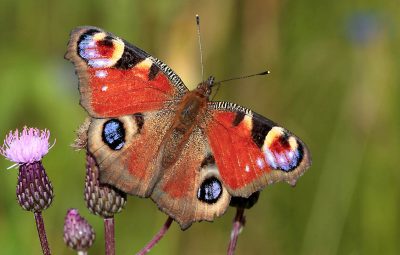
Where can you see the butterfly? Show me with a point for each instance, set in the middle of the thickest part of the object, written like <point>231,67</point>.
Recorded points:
<point>152,137</point>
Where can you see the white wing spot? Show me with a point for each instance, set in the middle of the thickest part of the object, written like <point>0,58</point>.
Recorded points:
<point>270,159</point>
<point>99,62</point>
<point>260,163</point>
<point>101,74</point>
<point>247,168</point>
<point>104,88</point>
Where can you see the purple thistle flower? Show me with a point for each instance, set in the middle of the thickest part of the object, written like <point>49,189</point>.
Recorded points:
<point>78,234</point>
<point>34,189</point>
<point>26,147</point>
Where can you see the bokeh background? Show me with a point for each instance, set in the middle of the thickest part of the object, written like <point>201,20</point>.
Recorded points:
<point>334,82</point>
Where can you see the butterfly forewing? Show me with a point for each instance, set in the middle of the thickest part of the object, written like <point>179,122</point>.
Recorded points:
<point>131,97</point>
<point>252,151</point>
<point>117,78</point>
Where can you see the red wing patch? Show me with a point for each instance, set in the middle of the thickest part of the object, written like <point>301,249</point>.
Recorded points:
<point>113,92</point>
<point>252,151</point>
<point>238,158</point>
<point>117,78</point>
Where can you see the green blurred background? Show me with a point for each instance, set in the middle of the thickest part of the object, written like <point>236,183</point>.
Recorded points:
<point>334,82</point>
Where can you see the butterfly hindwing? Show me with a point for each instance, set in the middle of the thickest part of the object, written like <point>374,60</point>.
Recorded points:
<point>252,151</point>
<point>117,78</point>
<point>191,189</point>
<point>126,149</point>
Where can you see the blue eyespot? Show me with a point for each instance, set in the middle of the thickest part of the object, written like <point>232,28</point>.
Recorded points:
<point>210,190</point>
<point>114,134</point>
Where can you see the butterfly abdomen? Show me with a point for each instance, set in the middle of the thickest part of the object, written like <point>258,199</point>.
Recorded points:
<point>190,111</point>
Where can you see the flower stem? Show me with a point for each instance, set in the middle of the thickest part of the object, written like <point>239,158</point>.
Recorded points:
<point>82,253</point>
<point>42,233</point>
<point>157,237</point>
<point>109,235</point>
<point>238,223</point>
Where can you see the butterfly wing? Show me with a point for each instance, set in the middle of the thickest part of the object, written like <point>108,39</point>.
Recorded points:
<point>252,151</point>
<point>117,78</point>
<point>131,97</point>
<point>126,148</point>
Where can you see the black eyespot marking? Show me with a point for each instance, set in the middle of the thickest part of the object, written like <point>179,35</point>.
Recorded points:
<point>300,151</point>
<point>284,140</point>
<point>238,118</point>
<point>245,203</point>
<point>107,41</point>
<point>131,57</point>
<point>153,71</point>
<point>139,120</point>
<point>209,160</point>
<point>108,38</point>
<point>91,31</point>
<point>114,134</point>
<point>210,190</point>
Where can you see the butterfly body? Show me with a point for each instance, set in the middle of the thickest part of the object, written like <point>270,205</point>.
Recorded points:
<point>190,112</point>
<point>152,137</point>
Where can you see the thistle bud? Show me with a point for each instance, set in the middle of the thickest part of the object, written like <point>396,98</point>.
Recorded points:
<point>101,199</point>
<point>34,190</point>
<point>78,234</point>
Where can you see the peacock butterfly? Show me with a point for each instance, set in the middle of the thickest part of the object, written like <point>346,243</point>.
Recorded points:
<point>152,137</point>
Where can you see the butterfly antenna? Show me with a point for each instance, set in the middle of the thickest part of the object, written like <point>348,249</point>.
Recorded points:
<point>218,83</point>
<point>201,50</point>
<point>243,77</point>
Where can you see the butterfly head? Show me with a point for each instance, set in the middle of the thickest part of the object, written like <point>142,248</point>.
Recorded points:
<point>204,88</point>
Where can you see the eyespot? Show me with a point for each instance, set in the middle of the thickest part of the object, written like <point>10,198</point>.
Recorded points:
<point>99,49</point>
<point>114,134</point>
<point>282,151</point>
<point>210,190</point>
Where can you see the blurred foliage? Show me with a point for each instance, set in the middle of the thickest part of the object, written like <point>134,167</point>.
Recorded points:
<point>334,82</point>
